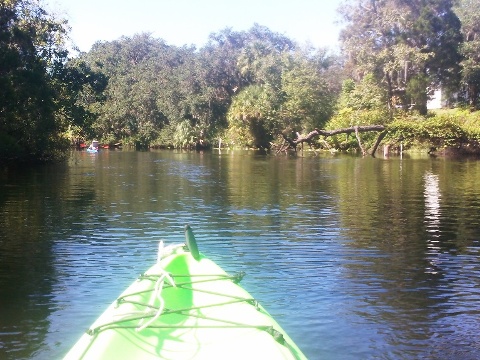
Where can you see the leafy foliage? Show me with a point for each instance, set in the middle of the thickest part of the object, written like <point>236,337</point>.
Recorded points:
<point>246,87</point>
<point>366,95</point>
<point>252,116</point>
<point>249,79</point>
<point>395,40</point>
<point>308,101</point>
<point>440,131</point>
<point>348,117</point>
<point>38,91</point>
<point>359,104</point>
<point>469,13</point>
<point>417,96</point>
<point>184,135</point>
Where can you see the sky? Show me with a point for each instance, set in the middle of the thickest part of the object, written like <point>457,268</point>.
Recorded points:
<point>190,22</point>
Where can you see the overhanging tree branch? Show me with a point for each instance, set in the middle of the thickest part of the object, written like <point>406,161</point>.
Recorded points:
<point>293,143</point>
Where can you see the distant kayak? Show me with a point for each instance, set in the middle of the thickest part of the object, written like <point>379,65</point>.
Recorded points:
<point>185,307</point>
<point>93,148</point>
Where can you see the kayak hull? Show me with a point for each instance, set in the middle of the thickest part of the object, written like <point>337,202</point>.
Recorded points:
<point>185,308</point>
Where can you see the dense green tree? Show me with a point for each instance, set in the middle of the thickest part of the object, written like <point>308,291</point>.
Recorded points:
<point>361,103</point>
<point>469,13</point>
<point>308,101</point>
<point>417,96</point>
<point>33,111</point>
<point>437,28</point>
<point>155,90</point>
<point>397,40</point>
<point>234,60</point>
<point>291,94</point>
<point>161,94</point>
<point>364,95</point>
<point>253,116</point>
<point>79,87</point>
<point>260,63</point>
<point>150,87</point>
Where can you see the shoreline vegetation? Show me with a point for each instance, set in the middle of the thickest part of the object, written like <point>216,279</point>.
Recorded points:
<point>253,89</point>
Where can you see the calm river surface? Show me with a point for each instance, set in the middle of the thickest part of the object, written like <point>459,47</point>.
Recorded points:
<point>357,258</point>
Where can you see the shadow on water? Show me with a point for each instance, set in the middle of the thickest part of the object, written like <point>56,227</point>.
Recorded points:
<point>34,202</point>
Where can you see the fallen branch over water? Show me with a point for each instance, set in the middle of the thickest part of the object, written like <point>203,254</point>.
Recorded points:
<point>293,143</point>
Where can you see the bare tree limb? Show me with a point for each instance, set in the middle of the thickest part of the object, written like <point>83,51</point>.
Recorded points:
<point>377,143</point>
<point>293,143</point>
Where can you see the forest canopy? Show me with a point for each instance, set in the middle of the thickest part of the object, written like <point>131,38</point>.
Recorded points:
<point>250,88</point>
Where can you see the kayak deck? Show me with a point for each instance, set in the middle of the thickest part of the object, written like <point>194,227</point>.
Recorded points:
<point>185,308</point>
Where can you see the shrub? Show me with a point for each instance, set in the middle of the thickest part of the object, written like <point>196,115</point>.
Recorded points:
<point>443,129</point>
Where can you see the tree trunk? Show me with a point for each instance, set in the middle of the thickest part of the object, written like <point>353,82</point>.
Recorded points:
<point>389,91</point>
<point>472,95</point>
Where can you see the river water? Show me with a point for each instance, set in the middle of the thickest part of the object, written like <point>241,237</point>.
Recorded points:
<point>357,258</point>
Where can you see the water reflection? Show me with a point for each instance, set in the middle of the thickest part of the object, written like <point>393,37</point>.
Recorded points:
<point>432,220</point>
<point>356,257</point>
<point>432,203</point>
<point>27,214</point>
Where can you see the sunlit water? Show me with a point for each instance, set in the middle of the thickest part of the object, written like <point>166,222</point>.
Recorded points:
<point>357,258</point>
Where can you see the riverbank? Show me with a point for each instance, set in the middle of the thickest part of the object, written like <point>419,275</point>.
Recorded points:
<point>441,132</point>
